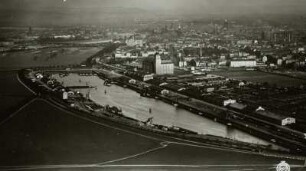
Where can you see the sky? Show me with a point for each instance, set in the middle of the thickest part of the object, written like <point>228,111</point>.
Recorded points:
<point>37,10</point>
<point>157,4</point>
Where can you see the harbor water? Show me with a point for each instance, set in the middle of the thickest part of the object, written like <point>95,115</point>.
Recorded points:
<point>141,108</point>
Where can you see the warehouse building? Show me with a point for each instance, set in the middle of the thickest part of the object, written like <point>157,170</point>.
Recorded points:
<point>158,66</point>
<point>243,63</point>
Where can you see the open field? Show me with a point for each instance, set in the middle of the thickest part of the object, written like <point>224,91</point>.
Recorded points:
<point>42,134</point>
<point>188,155</point>
<point>46,57</point>
<point>49,137</point>
<point>257,76</point>
<point>12,94</point>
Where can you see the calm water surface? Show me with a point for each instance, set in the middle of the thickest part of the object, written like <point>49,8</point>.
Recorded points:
<point>135,106</point>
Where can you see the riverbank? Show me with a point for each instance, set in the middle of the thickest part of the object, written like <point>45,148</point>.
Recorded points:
<point>260,128</point>
<point>221,142</point>
<point>164,113</point>
<point>50,56</point>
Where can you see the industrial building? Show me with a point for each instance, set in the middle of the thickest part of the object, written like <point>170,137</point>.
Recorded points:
<point>158,66</point>
<point>243,63</point>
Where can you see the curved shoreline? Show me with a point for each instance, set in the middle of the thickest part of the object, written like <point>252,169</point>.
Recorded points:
<point>223,143</point>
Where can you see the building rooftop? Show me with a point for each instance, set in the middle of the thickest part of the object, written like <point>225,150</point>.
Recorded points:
<point>238,106</point>
<point>242,59</point>
<point>167,62</point>
<point>270,115</point>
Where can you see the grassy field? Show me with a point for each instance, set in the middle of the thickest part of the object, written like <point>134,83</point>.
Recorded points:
<point>47,57</point>
<point>41,134</point>
<point>257,76</point>
<point>187,155</point>
<point>12,94</point>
